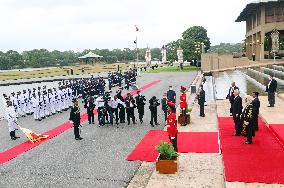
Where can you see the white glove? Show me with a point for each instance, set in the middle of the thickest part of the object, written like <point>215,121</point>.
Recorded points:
<point>172,137</point>
<point>71,122</point>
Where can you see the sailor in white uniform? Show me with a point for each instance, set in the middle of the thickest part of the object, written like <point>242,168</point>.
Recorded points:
<point>12,119</point>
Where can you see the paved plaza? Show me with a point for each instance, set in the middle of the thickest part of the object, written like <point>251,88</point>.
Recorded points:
<point>96,161</point>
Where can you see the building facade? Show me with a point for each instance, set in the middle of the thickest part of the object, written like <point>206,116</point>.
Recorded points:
<point>261,19</point>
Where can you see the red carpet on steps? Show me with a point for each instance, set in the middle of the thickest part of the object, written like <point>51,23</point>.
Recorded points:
<point>25,146</point>
<point>278,130</point>
<point>194,142</point>
<point>260,162</point>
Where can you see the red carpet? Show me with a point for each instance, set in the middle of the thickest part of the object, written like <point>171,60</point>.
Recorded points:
<point>194,142</point>
<point>278,131</point>
<point>145,150</point>
<point>260,162</point>
<point>198,142</point>
<point>25,146</point>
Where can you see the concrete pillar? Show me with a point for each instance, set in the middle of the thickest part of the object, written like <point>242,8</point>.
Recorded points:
<point>262,39</point>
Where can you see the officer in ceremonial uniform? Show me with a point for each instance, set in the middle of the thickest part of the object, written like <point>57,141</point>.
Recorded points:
<point>12,119</point>
<point>201,100</point>
<point>75,119</point>
<point>183,103</point>
<point>172,124</point>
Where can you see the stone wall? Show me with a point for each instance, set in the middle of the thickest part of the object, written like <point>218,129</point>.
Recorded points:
<point>213,61</point>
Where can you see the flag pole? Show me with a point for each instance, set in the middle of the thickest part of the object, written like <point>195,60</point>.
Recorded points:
<point>136,46</point>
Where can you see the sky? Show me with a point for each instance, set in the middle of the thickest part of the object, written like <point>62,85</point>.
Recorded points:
<point>88,24</point>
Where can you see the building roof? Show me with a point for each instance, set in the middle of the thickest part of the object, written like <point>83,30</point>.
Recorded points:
<point>90,55</point>
<point>252,7</point>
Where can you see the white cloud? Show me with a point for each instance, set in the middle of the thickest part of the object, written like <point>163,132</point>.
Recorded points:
<point>82,24</point>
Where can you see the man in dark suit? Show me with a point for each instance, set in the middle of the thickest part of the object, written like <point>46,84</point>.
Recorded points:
<point>237,111</point>
<point>140,102</point>
<point>201,100</point>
<point>130,105</point>
<point>271,89</point>
<point>154,103</point>
<point>171,95</point>
<point>231,96</point>
<point>255,112</point>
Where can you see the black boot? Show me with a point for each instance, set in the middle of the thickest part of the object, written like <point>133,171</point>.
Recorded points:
<point>11,135</point>
<point>14,135</point>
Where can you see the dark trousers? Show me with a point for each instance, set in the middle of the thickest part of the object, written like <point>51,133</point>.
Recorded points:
<point>174,142</point>
<point>115,112</point>
<point>165,114</point>
<point>237,121</point>
<point>130,115</point>
<point>141,113</point>
<point>110,114</point>
<point>271,98</point>
<point>122,114</point>
<point>76,131</point>
<point>255,122</point>
<point>231,109</point>
<point>101,116</point>
<point>249,133</point>
<point>201,105</point>
<point>153,116</point>
<point>91,117</point>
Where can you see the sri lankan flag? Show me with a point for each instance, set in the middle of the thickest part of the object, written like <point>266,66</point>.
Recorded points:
<point>32,136</point>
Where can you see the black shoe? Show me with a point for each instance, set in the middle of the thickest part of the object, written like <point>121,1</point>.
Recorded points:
<point>80,138</point>
<point>157,124</point>
<point>247,142</point>
<point>13,138</point>
<point>16,137</point>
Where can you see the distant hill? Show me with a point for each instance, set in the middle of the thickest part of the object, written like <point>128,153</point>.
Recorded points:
<point>224,48</point>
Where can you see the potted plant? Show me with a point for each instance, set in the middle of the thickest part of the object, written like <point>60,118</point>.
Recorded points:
<point>167,159</point>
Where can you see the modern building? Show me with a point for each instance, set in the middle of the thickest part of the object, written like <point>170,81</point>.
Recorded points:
<point>262,17</point>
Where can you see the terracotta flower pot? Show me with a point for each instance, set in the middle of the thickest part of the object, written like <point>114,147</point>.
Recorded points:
<point>167,166</point>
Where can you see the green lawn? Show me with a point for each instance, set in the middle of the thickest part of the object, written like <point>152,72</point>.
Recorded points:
<point>174,69</point>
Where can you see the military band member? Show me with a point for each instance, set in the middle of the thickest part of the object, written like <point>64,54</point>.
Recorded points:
<point>247,120</point>
<point>183,103</point>
<point>140,102</point>
<point>172,125</point>
<point>12,119</point>
<point>76,119</point>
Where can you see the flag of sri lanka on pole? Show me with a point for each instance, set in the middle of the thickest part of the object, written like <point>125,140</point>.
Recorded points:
<point>32,136</point>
